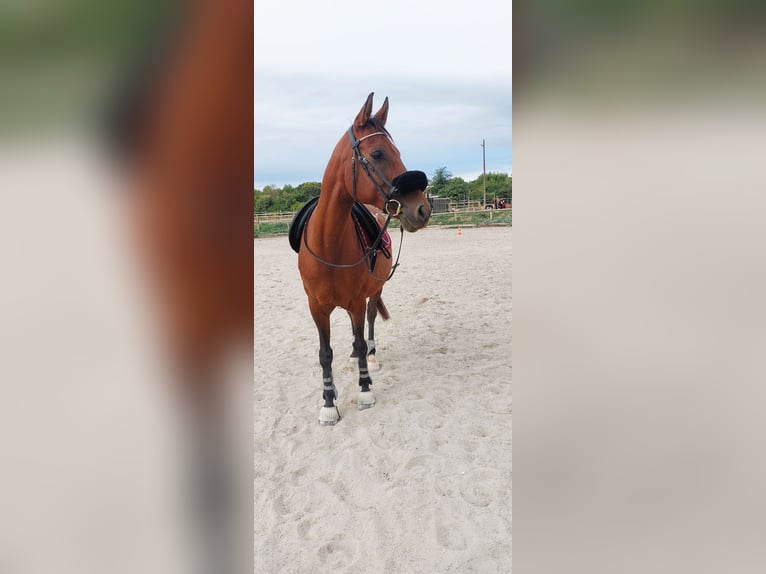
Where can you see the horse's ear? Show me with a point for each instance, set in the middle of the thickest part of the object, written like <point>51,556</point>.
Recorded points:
<point>364,114</point>
<point>382,114</point>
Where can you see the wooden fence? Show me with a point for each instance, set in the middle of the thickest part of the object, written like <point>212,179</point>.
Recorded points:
<point>276,223</point>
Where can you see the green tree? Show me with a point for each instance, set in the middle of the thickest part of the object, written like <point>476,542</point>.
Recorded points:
<point>262,202</point>
<point>439,180</point>
<point>441,176</point>
<point>498,185</point>
<point>443,184</point>
<point>285,198</point>
<point>306,191</point>
<point>456,188</point>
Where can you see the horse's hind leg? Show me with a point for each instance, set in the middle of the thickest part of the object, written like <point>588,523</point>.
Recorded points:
<point>354,357</point>
<point>329,414</point>
<point>372,313</point>
<point>366,398</point>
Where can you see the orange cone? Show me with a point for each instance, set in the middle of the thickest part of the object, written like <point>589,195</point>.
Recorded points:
<point>459,231</point>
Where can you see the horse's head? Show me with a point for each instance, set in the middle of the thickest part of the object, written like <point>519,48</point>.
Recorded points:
<point>378,175</point>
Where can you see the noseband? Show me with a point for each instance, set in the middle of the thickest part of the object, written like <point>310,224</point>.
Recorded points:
<point>377,179</point>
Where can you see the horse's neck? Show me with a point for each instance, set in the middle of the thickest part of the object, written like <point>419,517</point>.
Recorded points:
<point>333,210</point>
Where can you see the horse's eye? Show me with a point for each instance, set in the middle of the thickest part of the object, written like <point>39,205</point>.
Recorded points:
<point>377,154</point>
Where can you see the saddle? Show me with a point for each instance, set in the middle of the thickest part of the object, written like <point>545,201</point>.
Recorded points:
<point>367,229</point>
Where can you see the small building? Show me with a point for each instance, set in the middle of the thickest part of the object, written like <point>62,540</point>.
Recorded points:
<point>439,204</point>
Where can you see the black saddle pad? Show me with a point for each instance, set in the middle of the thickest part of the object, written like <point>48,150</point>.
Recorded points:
<point>300,218</point>
<point>359,212</point>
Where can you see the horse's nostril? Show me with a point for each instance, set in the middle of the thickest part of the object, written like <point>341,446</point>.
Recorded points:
<point>422,213</point>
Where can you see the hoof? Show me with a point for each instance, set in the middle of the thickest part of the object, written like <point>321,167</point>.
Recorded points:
<point>366,400</point>
<point>372,363</point>
<point>328,416</point>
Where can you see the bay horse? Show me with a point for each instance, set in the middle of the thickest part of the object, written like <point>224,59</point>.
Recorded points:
<point>334,262</point>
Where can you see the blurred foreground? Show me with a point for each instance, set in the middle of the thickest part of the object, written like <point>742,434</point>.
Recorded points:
<point>126,292</point>
<point>638,287</point>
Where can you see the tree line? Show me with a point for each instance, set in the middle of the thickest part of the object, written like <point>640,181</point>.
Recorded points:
<point>443,184</point>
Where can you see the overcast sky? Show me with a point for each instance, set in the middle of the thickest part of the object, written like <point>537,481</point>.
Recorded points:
<point>445,66</point>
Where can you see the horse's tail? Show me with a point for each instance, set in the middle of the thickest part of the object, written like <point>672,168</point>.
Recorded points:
<point>382,310</point>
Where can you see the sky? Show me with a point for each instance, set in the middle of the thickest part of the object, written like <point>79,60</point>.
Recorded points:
<point>445,66</point>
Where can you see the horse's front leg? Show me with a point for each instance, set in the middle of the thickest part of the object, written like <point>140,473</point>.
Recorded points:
<point>366,398</point>
<point>329,414</point>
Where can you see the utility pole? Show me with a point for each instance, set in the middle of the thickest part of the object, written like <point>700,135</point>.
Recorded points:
<point>484,169</point>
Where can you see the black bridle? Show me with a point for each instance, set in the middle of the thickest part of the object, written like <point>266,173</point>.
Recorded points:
<point>378,180</point>
<point>373,174</point>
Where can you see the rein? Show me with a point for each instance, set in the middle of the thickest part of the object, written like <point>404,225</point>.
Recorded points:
<point>372,173</point>
<point>367,254</point>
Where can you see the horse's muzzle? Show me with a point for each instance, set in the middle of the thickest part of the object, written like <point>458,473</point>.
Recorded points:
<point>415,216</point>
<point>408,202</point>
